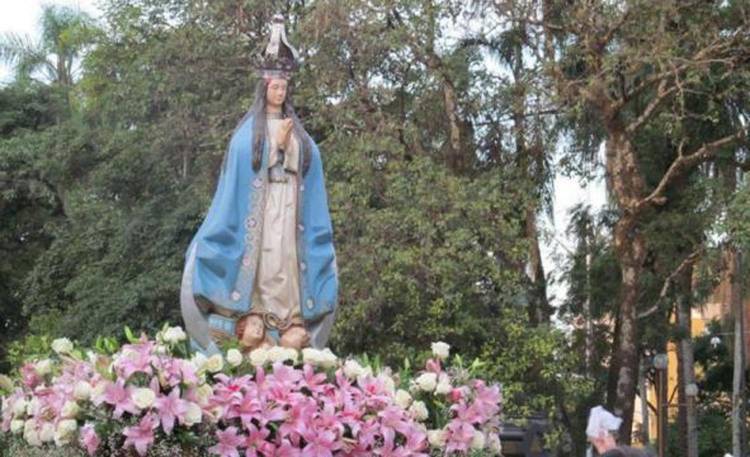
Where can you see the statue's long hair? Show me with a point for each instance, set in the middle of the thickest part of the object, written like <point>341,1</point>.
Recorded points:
<point>258,112</point>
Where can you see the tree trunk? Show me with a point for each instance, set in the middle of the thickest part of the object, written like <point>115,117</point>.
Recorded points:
<point>589,321</point>
<point>738,379</point>
<point>643,393</point>
<point>530,160</point>
<point>686,369</point>
<point>539,312</point>
<point>630,247</point>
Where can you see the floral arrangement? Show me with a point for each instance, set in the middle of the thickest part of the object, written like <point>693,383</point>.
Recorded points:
<point>271,402</point>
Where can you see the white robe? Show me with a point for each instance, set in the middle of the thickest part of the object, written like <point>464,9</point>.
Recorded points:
<point>277,279</point>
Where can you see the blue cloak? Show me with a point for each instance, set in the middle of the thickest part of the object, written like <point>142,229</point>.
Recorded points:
<point>222,258</point>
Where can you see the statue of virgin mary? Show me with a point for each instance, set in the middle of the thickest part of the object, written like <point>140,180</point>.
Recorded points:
<point>262,266</point>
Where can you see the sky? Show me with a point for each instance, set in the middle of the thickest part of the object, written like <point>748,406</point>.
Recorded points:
<point>23,17</point>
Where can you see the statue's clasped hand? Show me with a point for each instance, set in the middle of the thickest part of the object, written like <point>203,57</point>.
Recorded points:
<point>284,133</point>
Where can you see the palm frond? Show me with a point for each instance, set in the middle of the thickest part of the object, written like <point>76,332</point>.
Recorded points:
<point>14,46</point>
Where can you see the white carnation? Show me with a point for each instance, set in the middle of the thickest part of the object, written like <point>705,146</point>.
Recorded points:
<point>70,409</point>
<point>31,434</point>
<point>66,429</point>
<point>98,391</point>
<point>234,357</point>
<point>203,393</point>
<point>16,426</point>
<point>402,398</point>
<point>436,438</point>
<point>47,433</point>
<point>198,361</point>
<point>62,346</point>
<point>281,354</point>
<point>388,383</point>
<point>43,367</point>
<point>444,385</point>
<point>426,381</point>
<point>259,356</point>
<point>493,443</point>
<point>193,415</point>
<point>82,391</point>
<point>174,335</point>
<point>5,382</point>
<point>419,410</point>
<point>32,406</point>
<point>477,442</point>
<point>324,358</point>
<point>441,350</point>
<point>352,369</point>
<point>144,397</point>
<point>19,407</point>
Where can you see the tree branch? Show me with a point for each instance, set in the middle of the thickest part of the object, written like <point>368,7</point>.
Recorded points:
<point>687,262</point>
<point>683,163</point>
<point>662,92</point>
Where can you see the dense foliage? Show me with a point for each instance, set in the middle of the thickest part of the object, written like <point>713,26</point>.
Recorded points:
<point>441,126</point>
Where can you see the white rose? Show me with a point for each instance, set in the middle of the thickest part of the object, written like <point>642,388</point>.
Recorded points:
<point>444,385</point>
<point>82,391</point>
<point>70,409</point>
<point>419,410</point>
<point>352,369</point>
<point>477,442</point>
<point>30,433</point>
<point>143,397</point>
<point>19,407</point>
<point>16,426</point>
<point>234,357</point>
<point>402,398</point>
<point>258,357</point>
<point>47,433</point>
<point>436,438</point>
<point>174,335</point>
<point>65,431</point>
<point>426,381</point>
<point>43,367</point>
<point>215,363</point>
<point>441,350</point>
<point>193,415</point>
<point>62,346</point>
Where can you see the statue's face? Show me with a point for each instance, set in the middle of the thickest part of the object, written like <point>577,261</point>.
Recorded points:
<point>276,93</point>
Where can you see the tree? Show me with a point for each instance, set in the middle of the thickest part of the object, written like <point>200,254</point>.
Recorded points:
<point>66,34</point>
<point>631,63</point>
